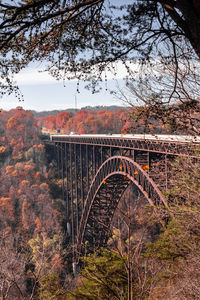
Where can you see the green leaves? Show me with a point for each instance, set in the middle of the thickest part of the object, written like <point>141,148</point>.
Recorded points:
<point>103,277</point>
<point>173,243</point>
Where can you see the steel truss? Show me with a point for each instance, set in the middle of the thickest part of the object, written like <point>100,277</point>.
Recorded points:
<point>106,188</point>
<point>96,171</point>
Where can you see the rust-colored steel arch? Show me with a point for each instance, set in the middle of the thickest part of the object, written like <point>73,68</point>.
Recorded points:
<point>106,189</point>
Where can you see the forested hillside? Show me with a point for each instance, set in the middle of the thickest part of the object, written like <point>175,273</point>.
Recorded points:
<point>31,239</point>
<point>136,119</point>
<point>42,114</point>
<point>85,121</point>
<point>103,122</point>
<point>148,256</point>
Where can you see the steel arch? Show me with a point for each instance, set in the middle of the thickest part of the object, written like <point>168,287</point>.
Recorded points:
<point>110,181</point>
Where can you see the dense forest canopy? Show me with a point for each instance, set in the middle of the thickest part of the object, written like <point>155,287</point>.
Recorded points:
<point>29,223</point>
<point>115,120</point>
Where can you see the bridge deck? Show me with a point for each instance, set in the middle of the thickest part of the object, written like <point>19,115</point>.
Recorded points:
<point>168,144</point>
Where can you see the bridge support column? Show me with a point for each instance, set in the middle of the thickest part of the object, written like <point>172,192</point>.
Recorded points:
<point>62,171</point>
<point>166,173</point>
<point>71,198</point>
<point>75,177</point>
<point>67,180</point>
<point>160,169</point>
<point>87,166</point>
<point>81,177</point>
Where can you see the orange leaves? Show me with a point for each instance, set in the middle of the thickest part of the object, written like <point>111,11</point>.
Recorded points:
<point>38,148</point>
<point>38,224</point>
<point>86,121</point>
<point>127,127</point>
<point>21,170</point>
<point>24,185</point>
<point>2,149</point>
<point>61,119</point>
<point>12,123</point>
<point>6,208</point>
<point>37,177</point>
<point>26,214</point>
<point>4,201</point>
<point>81,130</point>
<point>120,167</point>
<point>50,122</point>
<point>145,167</point>
<point>9,169</point>
<point>28,169</point>
<point>20,128</point>
<point>14,173</point>
<point>108,123</point>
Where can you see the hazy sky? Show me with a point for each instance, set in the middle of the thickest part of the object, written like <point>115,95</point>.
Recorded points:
<point>43,92</point>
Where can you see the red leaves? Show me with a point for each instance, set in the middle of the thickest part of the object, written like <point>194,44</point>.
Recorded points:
<point>84,122</point>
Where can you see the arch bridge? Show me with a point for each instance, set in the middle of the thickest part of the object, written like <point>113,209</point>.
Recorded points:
<point>97,169</point>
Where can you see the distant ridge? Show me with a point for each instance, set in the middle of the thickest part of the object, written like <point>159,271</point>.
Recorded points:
<point>72,110</point>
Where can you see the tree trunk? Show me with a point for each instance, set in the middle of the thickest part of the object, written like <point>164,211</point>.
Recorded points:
<point>186,14</point>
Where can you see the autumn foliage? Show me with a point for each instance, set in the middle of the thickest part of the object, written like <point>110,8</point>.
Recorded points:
<point>24,194</point>
<point>136,119</point>
<point>84,122</point>
<point>32,254</point>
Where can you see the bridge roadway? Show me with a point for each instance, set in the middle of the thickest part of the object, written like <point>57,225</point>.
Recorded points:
<point>184,145</point>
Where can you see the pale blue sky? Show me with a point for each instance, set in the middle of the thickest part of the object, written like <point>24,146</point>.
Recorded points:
<point>43,92</point>
<point>49,96</point>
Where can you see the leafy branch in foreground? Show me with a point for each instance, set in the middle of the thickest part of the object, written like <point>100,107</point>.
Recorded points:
<point>84,39</point>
